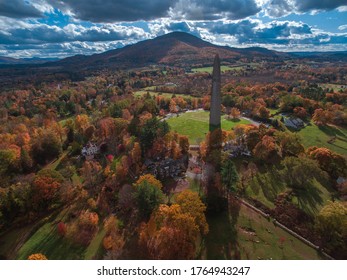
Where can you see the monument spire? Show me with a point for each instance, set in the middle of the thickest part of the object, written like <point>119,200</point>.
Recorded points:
<point>216,99</point>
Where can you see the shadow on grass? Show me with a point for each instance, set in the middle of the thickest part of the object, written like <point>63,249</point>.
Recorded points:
<point>331,131</point>
<point>51,245</point>
<point>339,146</point>
<point>221,242</point>
<point>270,184</point>
<point>309,199</point>
<point>235,120</point>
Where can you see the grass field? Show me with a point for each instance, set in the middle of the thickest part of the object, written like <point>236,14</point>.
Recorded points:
<point>47,241</point>
<point>195,125</point>
<point>210,68</point>
<point>154,93</point>
<point>266,188</point>
<point>259,238</point>
<point>313,135</point>
<point>335,87</point>
<point>245,234</point>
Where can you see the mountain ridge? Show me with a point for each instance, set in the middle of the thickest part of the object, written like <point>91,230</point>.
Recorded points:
<point>176,48</point>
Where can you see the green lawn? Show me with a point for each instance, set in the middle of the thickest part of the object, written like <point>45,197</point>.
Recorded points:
<point>12,239</point>
<point>312,135</point>
<point>195,125</point>
<point>243,233</point>
<point>259,238</point>
<point>266,188</point>
<point>53,165</point>
<point>95,245</point>
<point>154,93</point>
<point>210,68</point>
<point>273,111</point>
<point>47,241</point>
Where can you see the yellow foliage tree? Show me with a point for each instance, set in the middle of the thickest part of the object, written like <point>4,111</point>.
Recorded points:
<point>150,179</point>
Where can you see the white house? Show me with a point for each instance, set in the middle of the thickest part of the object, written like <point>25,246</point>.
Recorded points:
<point>90,150</point>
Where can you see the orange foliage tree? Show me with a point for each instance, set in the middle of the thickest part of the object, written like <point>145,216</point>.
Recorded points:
<point>329,161</point>
<point>113,240</point>
<point>266,149</point>
<point>46,185</point>
<point>84,228</point>
<point>36,257</point>
<point>235,113</point>
<point>173,231</point>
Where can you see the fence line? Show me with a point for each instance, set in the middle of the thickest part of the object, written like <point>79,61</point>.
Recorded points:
<point>303,239</point>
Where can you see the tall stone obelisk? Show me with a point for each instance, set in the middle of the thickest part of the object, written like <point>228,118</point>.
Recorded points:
<point>216,201</point>
<point>216,99</point>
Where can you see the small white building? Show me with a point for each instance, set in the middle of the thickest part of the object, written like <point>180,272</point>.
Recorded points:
<point>90,150</point>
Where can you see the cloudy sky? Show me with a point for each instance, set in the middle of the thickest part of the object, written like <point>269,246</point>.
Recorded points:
<point>60,28</point>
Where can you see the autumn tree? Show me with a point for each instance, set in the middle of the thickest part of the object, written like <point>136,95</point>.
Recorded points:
<point>235,113</point>
<point>184,143</point>
<point>82,230</point>
<point>148,194</point>
<point>300,112</point>
<point>289,143</point>
<point>37,257</point>
<point>91,173</point>
<point>321,117</point>
<point>173,106</point>
<point>264,113</point>
<point>267,149</point>
<point>113,241</point>
<point>191,204</point>
<point>172,231</point>
<point>46,187</point>
<point>82,122</point>
<point>61,229</point>
<point>331,162</point>
<point>46,147</point>
<point>331,224</point>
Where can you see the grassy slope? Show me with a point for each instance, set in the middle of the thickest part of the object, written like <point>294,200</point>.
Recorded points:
<point>313,135</point>
<point>311,201</point>
<point>265,242</point>
<point>47,241</point>
<point>195,125</point>
<point>245,234</point>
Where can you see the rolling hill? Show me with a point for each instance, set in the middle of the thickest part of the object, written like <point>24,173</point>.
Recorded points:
<point>176,48</point>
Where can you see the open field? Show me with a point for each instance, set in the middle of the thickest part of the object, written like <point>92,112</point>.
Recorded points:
<point>266,188</point>
<point>312,135</point>
<point>210,68</point>
<point>195,125</point>
<point>259,238</point>
<point>154,93</point>
<point>245,234</point>
<point>47,241</point>
<point>335,87</point>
